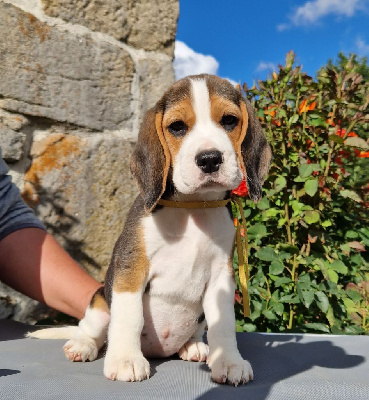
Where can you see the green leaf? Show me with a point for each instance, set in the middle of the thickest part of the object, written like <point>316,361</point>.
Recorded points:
<point>269,314</point>
<point>351,235</point>
<point>350,305</point>
<point>351,195</point>
<point>281,221</point>
<point>299,179</point>
<point>338,266</point>
<point>336,138</point>
<point>278,308</point>
<point>263,204</point>
<point>333,288</point>
<point>257,231</point>
<point>293,119</point>
<point>260,113</point>
<point>311,187</point>
<point>310,217</point>
<point>316,326</point>
<point>276,268</point>
<point>289,248</point>
<point>296,206</point>
<point>345,247</point>
<point>330,316</point>
<point>332,275</point>
<point>280,183</point>
<point>307,297</point>
<point>249,328</point>
<point>354,295</point>
<point>305,170</point>
<point>357,142</point>
<point>317,122</point>
<point>290,298</point>
<point>354,330</point>
<point>271,212</point>
<point>267,254</point>
<point>322,301</point>
<point>282,281</point>
<point>283,255</point>
<point>327,223</point>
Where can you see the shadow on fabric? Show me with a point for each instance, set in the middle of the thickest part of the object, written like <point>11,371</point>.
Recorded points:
<point>275,357</point>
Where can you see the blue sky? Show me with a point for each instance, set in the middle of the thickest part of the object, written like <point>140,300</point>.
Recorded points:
<point>243,40</point>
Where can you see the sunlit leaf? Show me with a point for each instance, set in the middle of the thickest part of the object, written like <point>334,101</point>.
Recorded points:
<point>267,254</point>
<point>280,183</point>
<point>311,187</point>
<point>317,327</point>
<point>322,301</point>
<point>311,217</point>
<point>351,195</point>
<point>357,142</point>
<point>276,268</point>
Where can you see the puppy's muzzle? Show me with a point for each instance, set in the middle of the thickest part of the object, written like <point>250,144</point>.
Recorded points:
<point>209,161</point>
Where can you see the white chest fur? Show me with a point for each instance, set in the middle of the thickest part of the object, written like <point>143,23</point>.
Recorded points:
<point>186,249</point>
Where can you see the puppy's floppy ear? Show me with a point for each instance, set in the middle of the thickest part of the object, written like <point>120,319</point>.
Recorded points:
<point>255,151</point>
<point>151,158</point>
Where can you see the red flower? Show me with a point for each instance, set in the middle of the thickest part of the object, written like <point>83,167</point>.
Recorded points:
<point>342,132</point>
<point>237,297</point>
<point>241,190</point>
<point>363,154</point>
<point>338,161</point>
<point>304,106</point>
<point>310,144</point>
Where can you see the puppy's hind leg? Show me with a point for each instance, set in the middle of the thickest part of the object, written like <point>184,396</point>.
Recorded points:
<point>92,331</point>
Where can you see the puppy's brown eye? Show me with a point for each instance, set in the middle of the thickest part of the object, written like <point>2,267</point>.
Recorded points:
<point>229,122</point>
<point>177,128</point>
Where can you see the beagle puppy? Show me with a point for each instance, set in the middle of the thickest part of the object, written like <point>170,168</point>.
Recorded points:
<point>171,271</point>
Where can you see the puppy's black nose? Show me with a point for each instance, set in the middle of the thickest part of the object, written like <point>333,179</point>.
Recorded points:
<point>209,161</point>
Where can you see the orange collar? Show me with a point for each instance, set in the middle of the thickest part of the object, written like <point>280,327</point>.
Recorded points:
<point>193,204</point>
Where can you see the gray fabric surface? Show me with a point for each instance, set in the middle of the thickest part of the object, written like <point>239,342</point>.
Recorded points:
<point>286,367</point>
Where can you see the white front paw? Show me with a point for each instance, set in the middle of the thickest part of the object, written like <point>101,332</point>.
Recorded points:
<point>129,369</point>
<point>194,351</point>
<point>231,369</point>
<point>81,349</point>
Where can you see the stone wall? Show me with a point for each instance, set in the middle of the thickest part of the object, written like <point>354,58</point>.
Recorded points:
<point>75,80</point>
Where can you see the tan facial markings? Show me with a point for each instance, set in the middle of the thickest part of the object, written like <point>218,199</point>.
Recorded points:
<point>219,107</point>
<point>182,111</point>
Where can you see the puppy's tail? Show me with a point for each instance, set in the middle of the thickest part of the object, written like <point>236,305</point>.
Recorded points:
<point>66,332</point>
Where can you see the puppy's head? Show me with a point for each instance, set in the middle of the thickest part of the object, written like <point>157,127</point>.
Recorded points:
<point>206,134</point>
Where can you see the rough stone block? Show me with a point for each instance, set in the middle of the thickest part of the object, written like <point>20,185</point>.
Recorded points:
<point>156,75</point>
<point>49,72</point>
<point>145,24</point>
<point>12,142</point>
<point>81,188</point>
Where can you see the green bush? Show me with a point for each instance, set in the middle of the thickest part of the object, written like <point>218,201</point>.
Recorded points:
<point>308,235</point>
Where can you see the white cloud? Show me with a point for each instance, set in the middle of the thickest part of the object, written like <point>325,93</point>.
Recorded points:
<point>234,83</point>
<point>362,47</point>
<point>188,62</point>
<point>282,27</point>
<point>265,66</point>
<point>312,11</point>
